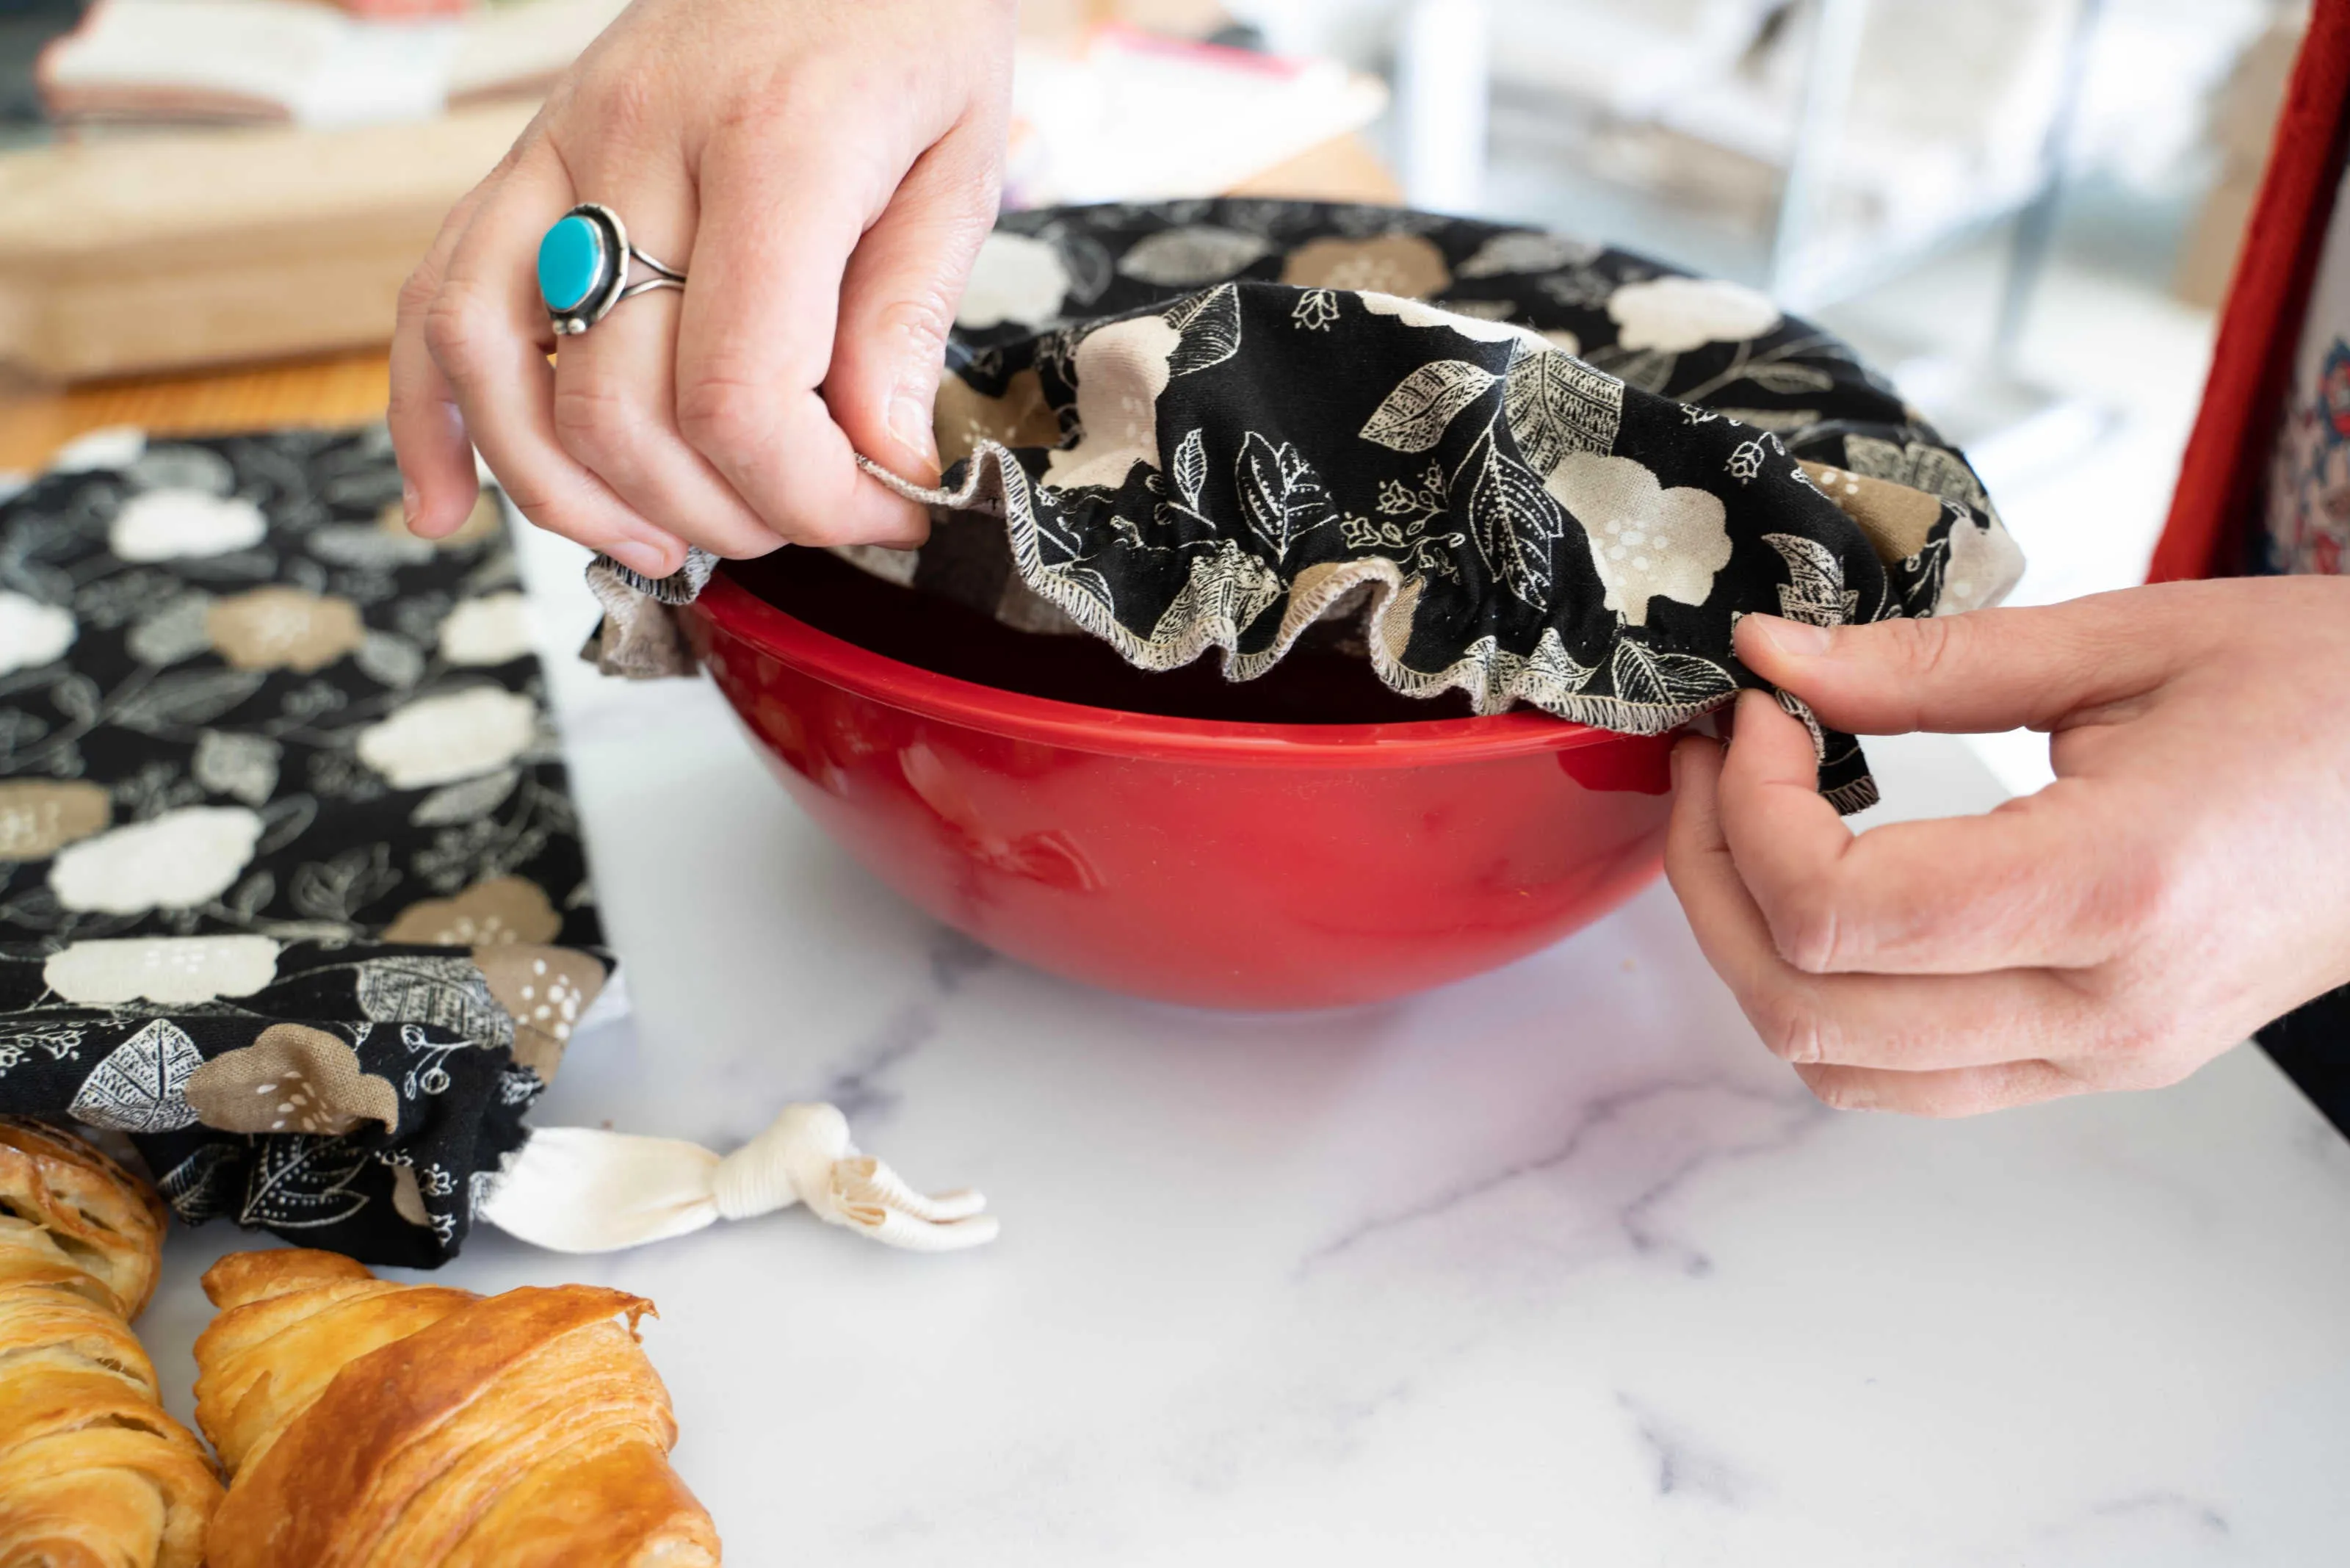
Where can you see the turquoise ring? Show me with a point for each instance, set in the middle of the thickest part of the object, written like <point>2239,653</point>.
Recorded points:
<point>585,262</point>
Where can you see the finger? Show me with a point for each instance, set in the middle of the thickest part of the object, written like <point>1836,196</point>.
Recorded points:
<point>488,333</point>
<point>1904,1023</point>
<point>437,482</point>
<point>615,384</point>
<point>756,335</point>
<point>898,302</point>
<point>1960,1091</point>
<point>2036,884</point>
<point>1988,672</point>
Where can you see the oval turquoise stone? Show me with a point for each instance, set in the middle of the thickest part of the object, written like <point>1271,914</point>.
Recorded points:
<point>570,261</point>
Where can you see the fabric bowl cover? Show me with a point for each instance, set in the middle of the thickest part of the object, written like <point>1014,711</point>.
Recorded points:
<point>1529,468</point>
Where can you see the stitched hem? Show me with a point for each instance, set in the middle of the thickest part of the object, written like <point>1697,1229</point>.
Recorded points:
<point>1228,589</point>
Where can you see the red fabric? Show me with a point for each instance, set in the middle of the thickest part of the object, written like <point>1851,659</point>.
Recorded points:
<point>2260,327</point>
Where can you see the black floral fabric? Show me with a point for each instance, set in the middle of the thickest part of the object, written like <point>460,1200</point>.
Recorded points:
<point>1534,469</point>
<point>293,895</point>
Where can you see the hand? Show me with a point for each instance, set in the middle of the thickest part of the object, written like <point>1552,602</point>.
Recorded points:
<point>824,173</point>
<point>2185,880</point>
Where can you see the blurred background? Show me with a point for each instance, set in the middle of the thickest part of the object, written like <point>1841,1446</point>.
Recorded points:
<point>2026,209</point>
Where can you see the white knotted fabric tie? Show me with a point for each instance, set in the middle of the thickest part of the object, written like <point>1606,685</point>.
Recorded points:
<point>581,1189</point>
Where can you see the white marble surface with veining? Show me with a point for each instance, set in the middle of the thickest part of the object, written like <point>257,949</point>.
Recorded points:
<point>1556,1266</point>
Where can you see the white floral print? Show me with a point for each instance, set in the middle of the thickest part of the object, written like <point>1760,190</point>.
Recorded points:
<point>1414,313</point>
<point>440,739</point>
<point>31,633</point>
<point>493,630</point>
<point>174,861</point>
<point>162,969</point>
<point>1185,258</point>
<point>111,446</point>
<point>1121,369</point>
<point>1678,314</point>
<point>1528,251</point>
<point>1983,568</point>
<point>1647,541</point>
<point>1014,278</point>
<point>171,524</point>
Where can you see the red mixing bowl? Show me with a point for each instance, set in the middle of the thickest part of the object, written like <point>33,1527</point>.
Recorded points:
<point>1215,862</point>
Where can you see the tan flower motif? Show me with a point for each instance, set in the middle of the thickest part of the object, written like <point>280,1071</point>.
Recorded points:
<point>483,521</point>
<point>1406,264</point>
<point>487,914</point>
<point>278,628</point>
<point>1021,417</point>
<point>38,818</point>
<point>292,1078</point>
<point>1895,517</point>
<point>546,989</point>
<point>408,1196</point>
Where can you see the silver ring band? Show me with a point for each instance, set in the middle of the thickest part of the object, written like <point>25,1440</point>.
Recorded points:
<point>600,260</point>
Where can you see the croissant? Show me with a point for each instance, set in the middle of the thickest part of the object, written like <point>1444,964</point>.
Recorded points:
<point>92,1473</point>
<point>368,1423</point>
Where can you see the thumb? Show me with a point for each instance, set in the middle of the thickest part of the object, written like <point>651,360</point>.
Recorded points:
<point>1978,673</point>
<point>898,302</point>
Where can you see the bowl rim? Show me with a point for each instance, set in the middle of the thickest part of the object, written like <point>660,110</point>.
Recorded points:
<point>733,611</point>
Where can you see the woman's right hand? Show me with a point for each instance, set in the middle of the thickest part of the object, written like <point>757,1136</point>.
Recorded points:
<point>824,173</point>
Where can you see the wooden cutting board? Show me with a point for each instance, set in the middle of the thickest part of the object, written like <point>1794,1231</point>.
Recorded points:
<point>175,252</point>
<point>169,250</point>
<point>252,289</point>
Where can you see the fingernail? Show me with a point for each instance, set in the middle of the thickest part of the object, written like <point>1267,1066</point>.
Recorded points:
<point>408,505</point>
<point>1798,638</point>
<point>910,421</point>
<point>650,560</point>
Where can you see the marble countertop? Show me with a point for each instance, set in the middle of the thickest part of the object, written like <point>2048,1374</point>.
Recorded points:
<point>1555,1266</point>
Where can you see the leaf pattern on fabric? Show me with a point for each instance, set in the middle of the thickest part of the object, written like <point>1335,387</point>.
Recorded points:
<point>1814,591</point>
<point>1556,404</point>
<point>1280,495</point>
<point>466,801</point>
<point>1513,520</point>
<point>1678,680</point>
<point>1920,466</point>
<point>1211,327</point>
<point>1415,416</point>
<point>1190,470</point>
<point>138,1089</point>
<point>449,992</point>
<point>203,1187</point>
<point>298,1181</point>
<point>173,703</point>
<point>1791,379</point>
<point>1228,588</point>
